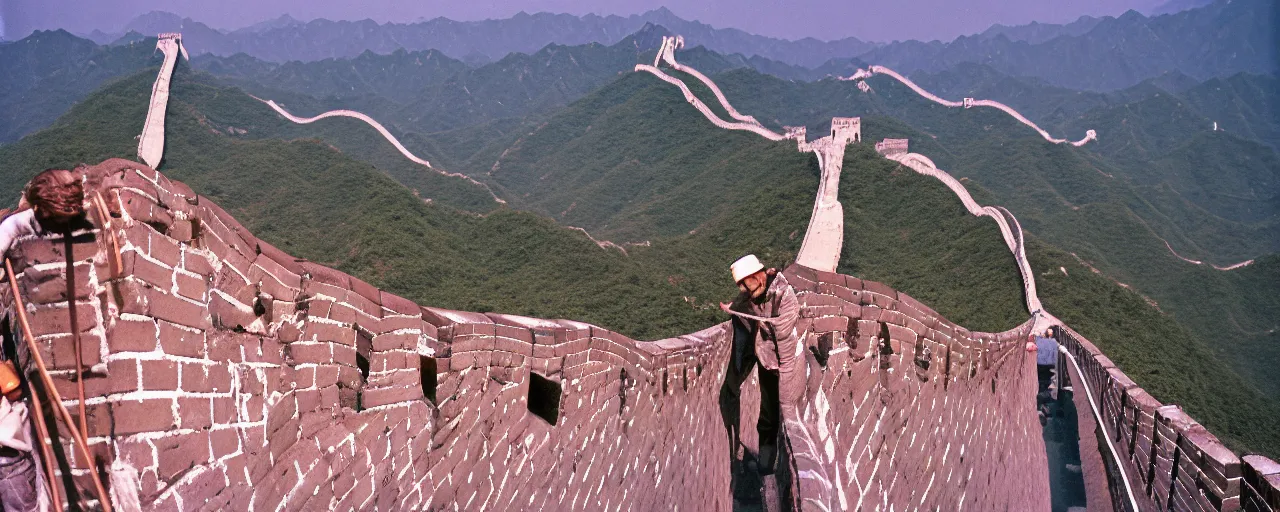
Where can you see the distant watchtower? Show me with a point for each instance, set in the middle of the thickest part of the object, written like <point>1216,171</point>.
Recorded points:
<point>846,129</point>
<point>892,146</point>
<point>795,133</point>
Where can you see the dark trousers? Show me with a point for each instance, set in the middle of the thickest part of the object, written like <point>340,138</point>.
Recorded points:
<point>741,362</point>
<point>17,481</point>
<point>1044,373</point>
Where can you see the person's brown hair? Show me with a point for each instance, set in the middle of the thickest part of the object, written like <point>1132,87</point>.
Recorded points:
<point>56,194</point>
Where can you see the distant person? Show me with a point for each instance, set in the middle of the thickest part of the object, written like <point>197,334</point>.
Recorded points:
<point>764,335</point>
<point>52,203</point>
<point>1046,358</point>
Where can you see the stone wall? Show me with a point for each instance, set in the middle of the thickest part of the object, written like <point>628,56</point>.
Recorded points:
<point>908,410</point>
<point>893,146</point>
<point>1172,462</point>
<point>846,129</point>
<point>227,375</point>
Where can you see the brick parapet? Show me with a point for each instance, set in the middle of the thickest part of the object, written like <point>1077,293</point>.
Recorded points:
<point>226,374</point>
<point>229,375</point>
<point>927,417</point>
<point>1173,462</point>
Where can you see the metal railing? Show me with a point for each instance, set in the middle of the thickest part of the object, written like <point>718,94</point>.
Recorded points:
<point>1102,424</point>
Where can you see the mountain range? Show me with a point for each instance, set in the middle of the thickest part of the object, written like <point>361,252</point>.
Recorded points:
<point>310,198</point>
<point>1104,53</point>
<point>286,39</point>
<point>1220,39</point>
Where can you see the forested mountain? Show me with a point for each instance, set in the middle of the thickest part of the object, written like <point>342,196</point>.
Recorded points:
<point>424,91</point>
<point>431,92</point>
<point>1157,174</point>
<point>588,166</point>
<point>1221,39</point>
<point>1036,33</point>
<point>431,89</point>
<point>285,40</point>
<point>1106,53</point>
<point>906,230</point>
<point>47,72</point>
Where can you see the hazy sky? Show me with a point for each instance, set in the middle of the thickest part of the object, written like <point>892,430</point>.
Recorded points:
<point>882,20</point>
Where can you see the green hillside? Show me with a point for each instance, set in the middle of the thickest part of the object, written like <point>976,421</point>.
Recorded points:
<point>1163,357</point>
<point>430,92</point>
<point>900,230</point>
<point>313,200</point>
<point>1212,196</point>
<point>48,71</point>
<point>348,214</point>
<point>609,164</point>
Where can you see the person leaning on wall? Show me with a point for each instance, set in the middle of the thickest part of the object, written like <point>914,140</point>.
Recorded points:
<point>53,202</point>
<point>764,315</point>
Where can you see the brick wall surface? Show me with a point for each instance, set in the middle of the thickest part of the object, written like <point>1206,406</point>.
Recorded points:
<point>227,375</point>
<point>933,417</point>
<point>1172,462</point>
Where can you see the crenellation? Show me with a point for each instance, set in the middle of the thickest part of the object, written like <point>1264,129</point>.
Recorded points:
<point>1171,459</point>
<point>1260,484</point>
<point>232,375</point>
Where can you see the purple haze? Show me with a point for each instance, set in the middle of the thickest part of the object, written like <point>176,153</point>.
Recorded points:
<point>883,20</point>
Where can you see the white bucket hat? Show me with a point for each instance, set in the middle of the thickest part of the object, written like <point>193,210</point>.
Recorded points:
<point>745,266</point>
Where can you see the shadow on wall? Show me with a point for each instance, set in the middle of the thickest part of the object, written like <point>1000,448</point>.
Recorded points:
<point>223,371</point>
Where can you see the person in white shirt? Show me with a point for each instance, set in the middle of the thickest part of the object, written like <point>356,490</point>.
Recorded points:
<point>55,198</point>
<point>53,202</point>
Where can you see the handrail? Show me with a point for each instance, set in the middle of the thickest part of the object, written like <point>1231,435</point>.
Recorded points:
<point>1102,424</point>
<point>79,441</point>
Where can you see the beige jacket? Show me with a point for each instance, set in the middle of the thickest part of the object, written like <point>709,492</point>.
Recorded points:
<point>777,343</point>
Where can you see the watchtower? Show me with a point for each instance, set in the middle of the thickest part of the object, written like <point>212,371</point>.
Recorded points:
<point>892,146</point>
<point>796,133</point>
<point>846,129</point>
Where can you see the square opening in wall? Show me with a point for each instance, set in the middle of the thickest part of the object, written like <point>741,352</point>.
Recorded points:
<point>544,398</point>
<point>428,369</point>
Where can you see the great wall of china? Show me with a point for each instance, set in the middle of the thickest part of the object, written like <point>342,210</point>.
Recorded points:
<point>151,141</point>
<point>382,130</point>
<point>824,237</point>
<point>861,75</point>
<point>225,374</point>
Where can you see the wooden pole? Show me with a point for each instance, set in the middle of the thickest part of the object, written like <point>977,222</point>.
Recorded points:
<point>42,433</point>
<point>75,328</point>
<point>60,409</point>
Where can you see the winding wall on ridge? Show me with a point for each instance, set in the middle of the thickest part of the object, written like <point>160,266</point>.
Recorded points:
<point>151,141</point>
<point>229,375</point>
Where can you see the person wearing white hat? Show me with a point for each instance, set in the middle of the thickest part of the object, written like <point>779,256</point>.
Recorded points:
<point>764,334</point>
